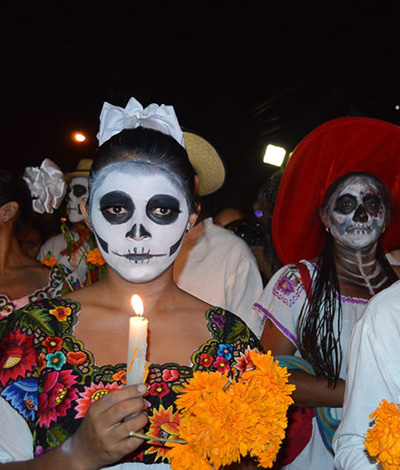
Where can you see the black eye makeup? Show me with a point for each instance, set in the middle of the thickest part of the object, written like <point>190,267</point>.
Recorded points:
<point>345,204</point>
<point>372,203</point>
<point>117,207</point>
<point>163,209</point>
<point>78,190</point>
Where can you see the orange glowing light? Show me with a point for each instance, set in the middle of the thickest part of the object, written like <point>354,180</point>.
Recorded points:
<point>78,137</point>
<point>137,304</point>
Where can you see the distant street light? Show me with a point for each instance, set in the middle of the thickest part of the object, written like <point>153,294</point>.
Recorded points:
<point>274,155</point>
<point>78,137</point>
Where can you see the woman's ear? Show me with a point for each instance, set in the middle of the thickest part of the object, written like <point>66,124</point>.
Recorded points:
<point>196,185</point>
<point>9,211</point>
<point>192,221</point>
<point>84,209</point>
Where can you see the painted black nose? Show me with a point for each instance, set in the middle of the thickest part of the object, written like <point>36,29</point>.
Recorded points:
<point>138,232</point>
<point>360,214</point>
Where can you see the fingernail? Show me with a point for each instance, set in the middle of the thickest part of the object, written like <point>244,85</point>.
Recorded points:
<point>142,388</point>
<point>148,404</point>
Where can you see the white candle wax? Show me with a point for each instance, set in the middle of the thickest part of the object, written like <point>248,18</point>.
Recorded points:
<point>137,349</point>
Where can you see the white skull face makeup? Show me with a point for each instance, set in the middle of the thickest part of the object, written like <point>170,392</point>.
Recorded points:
<point>356,213</point>
<point>78,189</point>
<point>139,220</point>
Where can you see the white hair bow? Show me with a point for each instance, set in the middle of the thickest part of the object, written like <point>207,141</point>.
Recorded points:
<point>113,119</point>
<point>47,186</point>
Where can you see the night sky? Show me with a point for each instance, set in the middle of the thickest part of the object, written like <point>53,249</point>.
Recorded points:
<point>242,74</point>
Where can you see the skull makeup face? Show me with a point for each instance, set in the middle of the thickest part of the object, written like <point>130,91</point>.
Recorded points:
<point>139,220</point>
<point>356,214</point>
<point>78,189</point>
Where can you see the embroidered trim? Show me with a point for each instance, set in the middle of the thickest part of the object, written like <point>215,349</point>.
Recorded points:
<point>277,323</point>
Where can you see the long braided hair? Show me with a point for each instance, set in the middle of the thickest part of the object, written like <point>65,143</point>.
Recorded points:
<point>319,344</point>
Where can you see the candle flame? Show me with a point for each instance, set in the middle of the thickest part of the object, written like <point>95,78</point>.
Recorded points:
<point>137,304</point>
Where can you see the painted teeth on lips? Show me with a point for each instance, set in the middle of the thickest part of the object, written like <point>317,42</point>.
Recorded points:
<point>359,230</point>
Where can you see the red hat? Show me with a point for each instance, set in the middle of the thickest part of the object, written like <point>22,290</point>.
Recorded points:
<point>333,149</point>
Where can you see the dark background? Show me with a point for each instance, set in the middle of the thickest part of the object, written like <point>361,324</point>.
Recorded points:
<point>242,74</point>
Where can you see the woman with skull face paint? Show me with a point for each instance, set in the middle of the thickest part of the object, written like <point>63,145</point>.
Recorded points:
<point>331,229</point>
<point>141,203</point>
<point>71,247</point>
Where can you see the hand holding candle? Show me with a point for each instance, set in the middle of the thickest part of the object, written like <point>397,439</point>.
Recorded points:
<point>137,345</point>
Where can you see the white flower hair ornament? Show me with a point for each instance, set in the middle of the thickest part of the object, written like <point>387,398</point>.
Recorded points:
<point>113,119</point>
<point>47,186</point>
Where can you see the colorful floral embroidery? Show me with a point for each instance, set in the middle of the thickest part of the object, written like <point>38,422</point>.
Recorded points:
<point>221,364</point>
<point>225,350</point>
<point>120,376</point>
<point>164,423</point>
<point>23,396</point>
<point>92,394</point>
<point>52,343</point>
<point>56,360</point>
<point>61,313</point>
<point>17,356</point>
<point>170,375</point>
<point>206,360</point>
<point>56,396</point>
<point>76,358</point>
<point>159,389</point>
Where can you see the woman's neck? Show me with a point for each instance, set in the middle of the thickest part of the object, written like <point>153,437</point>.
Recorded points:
<point>360,268</point>
<point>153,293</point>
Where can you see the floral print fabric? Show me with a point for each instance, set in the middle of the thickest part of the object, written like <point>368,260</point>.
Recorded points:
<point>55,287</point>
<point>50,379</point>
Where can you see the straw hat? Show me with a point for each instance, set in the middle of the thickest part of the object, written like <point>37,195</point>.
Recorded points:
<point>82,169</point>
<point>333,149</point>
<point>206,162</point>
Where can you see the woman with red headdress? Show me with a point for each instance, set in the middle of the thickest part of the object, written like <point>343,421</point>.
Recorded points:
<point>331,228</point>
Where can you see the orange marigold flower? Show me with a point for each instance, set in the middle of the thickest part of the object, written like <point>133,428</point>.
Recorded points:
<point>223,419</point>
<point>49,260</point>
<point>94,256</point>
<point>383,439</point>
<point>61,313</point>
<point>200,384</point>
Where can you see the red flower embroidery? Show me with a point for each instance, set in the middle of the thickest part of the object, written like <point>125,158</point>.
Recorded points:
<point>57,395</point>
<point>206,360</point>
<point>76,358</point>
<point>170,375</point>
<point>164,423</point>
<point>52,343</point>
<point>159,389</point>
<point>221,364</point>
<point>244,361</point>
<point>17,356</point>
<point>91,394</point>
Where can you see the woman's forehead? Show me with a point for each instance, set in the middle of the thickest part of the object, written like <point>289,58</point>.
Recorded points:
<point>357,184</point>
<point>134,178</point>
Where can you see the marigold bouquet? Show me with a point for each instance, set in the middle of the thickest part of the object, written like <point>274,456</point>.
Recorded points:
<point>383,439</point>
<point>222,420</point>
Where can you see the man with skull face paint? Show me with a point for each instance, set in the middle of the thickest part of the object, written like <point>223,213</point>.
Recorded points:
<point>331,230</point>
<point>141,203</point>
<point>71,249</point>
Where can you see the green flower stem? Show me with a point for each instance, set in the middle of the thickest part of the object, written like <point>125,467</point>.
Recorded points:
<point>152,438</point>
<point>65,277</point>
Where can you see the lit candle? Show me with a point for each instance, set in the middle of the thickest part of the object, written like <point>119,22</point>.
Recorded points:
<point>137,345</point>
